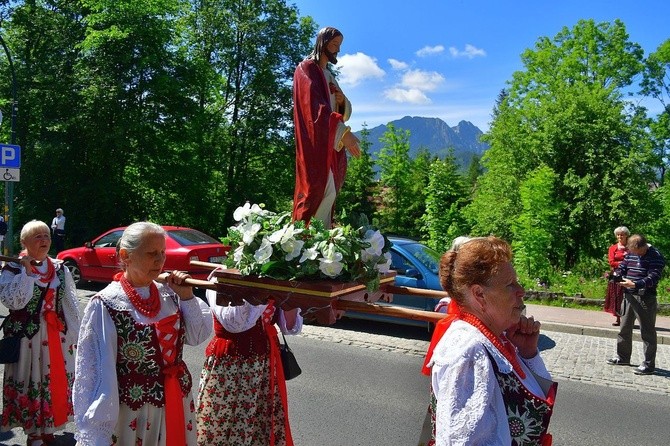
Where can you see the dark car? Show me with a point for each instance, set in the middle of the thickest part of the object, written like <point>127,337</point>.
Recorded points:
<point>417,267</point>
<point>97,260</point>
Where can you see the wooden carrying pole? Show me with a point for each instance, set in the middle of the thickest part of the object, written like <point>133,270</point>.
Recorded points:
<point>18,260</point>
<point>162,278</point>
<point>388,310</point>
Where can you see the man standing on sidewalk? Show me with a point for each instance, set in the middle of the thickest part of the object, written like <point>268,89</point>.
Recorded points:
<point>641,270</point>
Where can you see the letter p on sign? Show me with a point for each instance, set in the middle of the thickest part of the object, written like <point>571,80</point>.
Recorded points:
<point>10,156</point>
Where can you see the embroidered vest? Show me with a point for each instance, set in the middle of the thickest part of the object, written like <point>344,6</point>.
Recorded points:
<point>139,363</point>
<point>26,321</point>
<point>528,415</point>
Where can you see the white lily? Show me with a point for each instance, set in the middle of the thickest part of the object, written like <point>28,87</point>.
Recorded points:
<point>309,254</point>
<point>249,231</point>
<point>386,266</point>
<point>245,211</point>
<point>264,252</point>
<point>331,264</point>
<point>239,251</point>
<point>284,234</point>
<point>376,241</point>
<point>293,248</point>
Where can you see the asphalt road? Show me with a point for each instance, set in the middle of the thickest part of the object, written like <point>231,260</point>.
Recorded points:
<point>361,386</point>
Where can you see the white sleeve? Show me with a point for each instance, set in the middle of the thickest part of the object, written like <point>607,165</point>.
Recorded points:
<point>536,364</point>
<point>470,409</point>
<point>95,393</point>
<point>297,328</point>
<point>197,320</point>
<point>235,319</point>
<point>16,290</point>
<point>71,306</point>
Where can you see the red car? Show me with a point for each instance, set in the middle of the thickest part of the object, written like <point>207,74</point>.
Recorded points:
<point>97,260</point>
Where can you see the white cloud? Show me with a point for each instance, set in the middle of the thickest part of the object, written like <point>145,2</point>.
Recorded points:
<point>355,68</point>
<point>470,51</point>
<point>398,65</point>
<point>430,50</point>
<point>422,80</point>
<point>407,95</point>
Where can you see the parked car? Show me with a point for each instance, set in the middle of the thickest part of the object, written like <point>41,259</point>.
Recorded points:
<point>97,260</point>
<point>417,266</point>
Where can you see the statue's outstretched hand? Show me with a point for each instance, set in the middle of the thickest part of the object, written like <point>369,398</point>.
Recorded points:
<point>351,142</point>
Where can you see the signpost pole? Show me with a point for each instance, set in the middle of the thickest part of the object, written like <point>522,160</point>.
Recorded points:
<point>9,186</point>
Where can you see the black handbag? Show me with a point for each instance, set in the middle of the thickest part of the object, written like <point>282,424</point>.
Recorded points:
<point>288,361</point>
<point>10,346</point>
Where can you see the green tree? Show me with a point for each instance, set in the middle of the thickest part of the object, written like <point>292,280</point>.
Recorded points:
<point>356,195</point>
<point>416,207</point>
<point>536,226</point>
<point>446,194</point>
<point>566,110</point>
<point>655,83</point>
<point>245,97</point>
<point>394,183</point>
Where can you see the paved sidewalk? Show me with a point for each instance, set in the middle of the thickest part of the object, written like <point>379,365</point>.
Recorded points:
<point>589,322</point>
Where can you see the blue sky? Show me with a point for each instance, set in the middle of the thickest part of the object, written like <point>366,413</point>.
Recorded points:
<point>449,59</point>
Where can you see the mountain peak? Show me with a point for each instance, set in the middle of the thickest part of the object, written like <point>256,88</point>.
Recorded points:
<point>435,135</point>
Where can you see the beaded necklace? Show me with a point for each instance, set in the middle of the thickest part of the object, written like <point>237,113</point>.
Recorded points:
<point>148,307</point>
<point>503,345</point>
<point>48,275</point>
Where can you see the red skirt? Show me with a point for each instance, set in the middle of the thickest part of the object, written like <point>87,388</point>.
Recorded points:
<point>613,298</point>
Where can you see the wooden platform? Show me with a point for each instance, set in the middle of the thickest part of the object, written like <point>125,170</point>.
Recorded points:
<point>316,298</point>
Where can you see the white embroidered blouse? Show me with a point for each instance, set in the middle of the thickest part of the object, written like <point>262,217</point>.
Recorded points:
<point>470,406</point>
<point>95,390</point>
<point>237,319</point>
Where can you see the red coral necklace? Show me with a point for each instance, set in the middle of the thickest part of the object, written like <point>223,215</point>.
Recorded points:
<point>504,346</point>
<point>48,275</point>
<point>148,307</point>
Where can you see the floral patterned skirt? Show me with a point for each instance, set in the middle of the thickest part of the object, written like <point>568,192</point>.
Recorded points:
<point>26,398</point>
<point>236,405</point>
<point>146,426</point>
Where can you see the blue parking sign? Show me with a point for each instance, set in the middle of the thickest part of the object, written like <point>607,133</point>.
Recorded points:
<point>10,156</point>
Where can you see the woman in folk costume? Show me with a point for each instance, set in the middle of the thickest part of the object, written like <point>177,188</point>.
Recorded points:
<point>42,301</point>
<point>489,383</point>
<point>242,399</point>
<point>132,386</point>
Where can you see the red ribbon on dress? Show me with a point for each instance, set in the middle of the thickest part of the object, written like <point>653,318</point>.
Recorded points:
<point>276,365</point>
<point>58,380</point>
<point>175,426</point>
<point>453,312</point>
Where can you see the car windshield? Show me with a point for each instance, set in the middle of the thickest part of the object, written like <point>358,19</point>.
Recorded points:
<point>108,240</point>
<point>191,237</point>
<point>427,256</point>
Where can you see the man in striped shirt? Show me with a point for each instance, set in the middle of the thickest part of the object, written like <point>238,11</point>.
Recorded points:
<point>641,270</point>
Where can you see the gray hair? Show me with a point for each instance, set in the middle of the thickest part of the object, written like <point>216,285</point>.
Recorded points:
<point>622,230</point>
<point>33,227</point>
<point>134,235</point>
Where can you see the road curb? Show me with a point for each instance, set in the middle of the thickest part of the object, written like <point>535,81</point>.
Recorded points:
<point>663,337</point>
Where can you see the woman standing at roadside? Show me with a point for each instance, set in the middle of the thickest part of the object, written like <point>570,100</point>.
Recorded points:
<point>43,312</point>
<point>615,255</point>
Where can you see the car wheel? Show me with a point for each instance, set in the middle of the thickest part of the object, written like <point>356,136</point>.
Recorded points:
<point>74,270</point>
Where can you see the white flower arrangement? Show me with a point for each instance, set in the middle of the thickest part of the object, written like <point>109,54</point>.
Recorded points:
<point>268,244</point>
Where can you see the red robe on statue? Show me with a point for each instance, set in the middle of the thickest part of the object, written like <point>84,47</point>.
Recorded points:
<point>316,125</point>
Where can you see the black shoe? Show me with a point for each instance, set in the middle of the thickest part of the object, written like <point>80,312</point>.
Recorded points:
<point>643,370</point>
<point>617,361</point>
